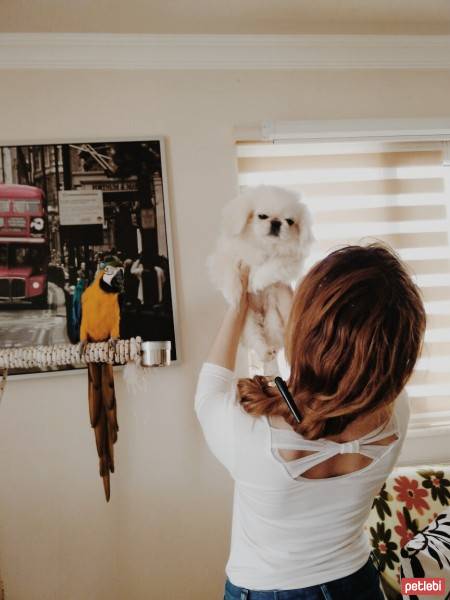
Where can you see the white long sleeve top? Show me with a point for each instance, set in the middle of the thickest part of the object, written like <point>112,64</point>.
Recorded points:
<point>290,531</point>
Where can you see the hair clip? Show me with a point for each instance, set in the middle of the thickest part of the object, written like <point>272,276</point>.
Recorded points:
<point>283,389</point>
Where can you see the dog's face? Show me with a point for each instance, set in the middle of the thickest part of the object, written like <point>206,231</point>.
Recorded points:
<point>269,216</point>
<point>274,222</point>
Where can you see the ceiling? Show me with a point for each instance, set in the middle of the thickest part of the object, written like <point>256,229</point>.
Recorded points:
<point>227,16</point>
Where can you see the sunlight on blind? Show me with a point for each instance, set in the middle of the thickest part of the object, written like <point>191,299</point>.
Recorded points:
<point>398,194</point>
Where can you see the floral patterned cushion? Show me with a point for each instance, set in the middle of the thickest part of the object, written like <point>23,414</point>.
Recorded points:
<point>409,501</point>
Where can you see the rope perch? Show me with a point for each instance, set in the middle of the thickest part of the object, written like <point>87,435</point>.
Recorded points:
<point>27,357</point>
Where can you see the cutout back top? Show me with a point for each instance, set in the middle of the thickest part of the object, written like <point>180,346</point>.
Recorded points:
<point>321,450</point>
<point>290,531</point>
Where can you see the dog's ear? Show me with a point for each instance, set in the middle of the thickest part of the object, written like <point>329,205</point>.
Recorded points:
<point>236,214</point>
<point>306,236</point>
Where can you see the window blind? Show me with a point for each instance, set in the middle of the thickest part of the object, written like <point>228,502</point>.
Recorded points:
<point>395,192</point>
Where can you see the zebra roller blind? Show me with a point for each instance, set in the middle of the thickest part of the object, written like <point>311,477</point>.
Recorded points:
<point>395,192</point>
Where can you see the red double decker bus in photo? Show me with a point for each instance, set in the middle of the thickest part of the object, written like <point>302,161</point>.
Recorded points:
<point>23,245</point>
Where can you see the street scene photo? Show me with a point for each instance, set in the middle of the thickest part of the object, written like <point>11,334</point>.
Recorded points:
<point>66,212</point>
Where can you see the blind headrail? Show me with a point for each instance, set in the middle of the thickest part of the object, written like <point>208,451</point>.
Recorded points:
<point>342,130</point>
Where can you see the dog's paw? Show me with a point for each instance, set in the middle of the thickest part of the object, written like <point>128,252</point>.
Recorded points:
<point>268,354</point>
<point>260,279</point>
<point>271,353</point>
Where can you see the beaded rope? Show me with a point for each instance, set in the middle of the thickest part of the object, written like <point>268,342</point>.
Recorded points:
<point>120,352</point>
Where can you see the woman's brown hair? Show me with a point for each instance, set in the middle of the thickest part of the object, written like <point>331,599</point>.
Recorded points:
<point>354,334</point>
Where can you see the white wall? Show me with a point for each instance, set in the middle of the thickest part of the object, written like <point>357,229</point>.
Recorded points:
<point>232,16</point>
<point>165,533</point>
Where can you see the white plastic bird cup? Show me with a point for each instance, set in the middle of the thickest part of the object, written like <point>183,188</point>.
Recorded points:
<point>155,354</point>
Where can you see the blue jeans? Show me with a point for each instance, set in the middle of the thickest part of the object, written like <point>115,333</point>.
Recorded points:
<point>364,584</point>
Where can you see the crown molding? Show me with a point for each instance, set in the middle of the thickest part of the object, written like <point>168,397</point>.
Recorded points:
<point>221,52</point>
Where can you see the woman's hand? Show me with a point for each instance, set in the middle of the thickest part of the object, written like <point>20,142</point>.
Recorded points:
<point>224,349</point>
<point>244,272</point>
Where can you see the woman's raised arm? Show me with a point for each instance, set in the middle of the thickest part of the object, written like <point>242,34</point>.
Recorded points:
<point>224,348</point>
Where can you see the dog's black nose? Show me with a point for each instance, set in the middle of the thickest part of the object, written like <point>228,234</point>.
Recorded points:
<point>275,225</point>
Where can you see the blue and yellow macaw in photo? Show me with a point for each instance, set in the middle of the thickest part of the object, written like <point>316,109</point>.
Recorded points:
<point>100,321</point>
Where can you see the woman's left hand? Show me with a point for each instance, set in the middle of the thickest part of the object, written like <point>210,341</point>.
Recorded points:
<point>244,272</point>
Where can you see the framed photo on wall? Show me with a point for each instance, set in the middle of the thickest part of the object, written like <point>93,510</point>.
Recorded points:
<point>65,209</point>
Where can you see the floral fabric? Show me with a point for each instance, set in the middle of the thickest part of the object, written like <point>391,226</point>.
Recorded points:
<point>428,553</point>
<point>409,501</point>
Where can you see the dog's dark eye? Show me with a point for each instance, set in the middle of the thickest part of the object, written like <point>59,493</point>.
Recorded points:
<point>289,222</point>
<point>263,217</point>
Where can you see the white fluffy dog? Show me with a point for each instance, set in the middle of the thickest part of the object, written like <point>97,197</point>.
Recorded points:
<point>268,229</point>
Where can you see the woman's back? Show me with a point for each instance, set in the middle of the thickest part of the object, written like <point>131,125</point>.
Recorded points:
<point>298,519</point>
<point>343,463</point>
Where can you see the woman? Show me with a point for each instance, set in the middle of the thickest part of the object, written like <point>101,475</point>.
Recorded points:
<point>303,491</point>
